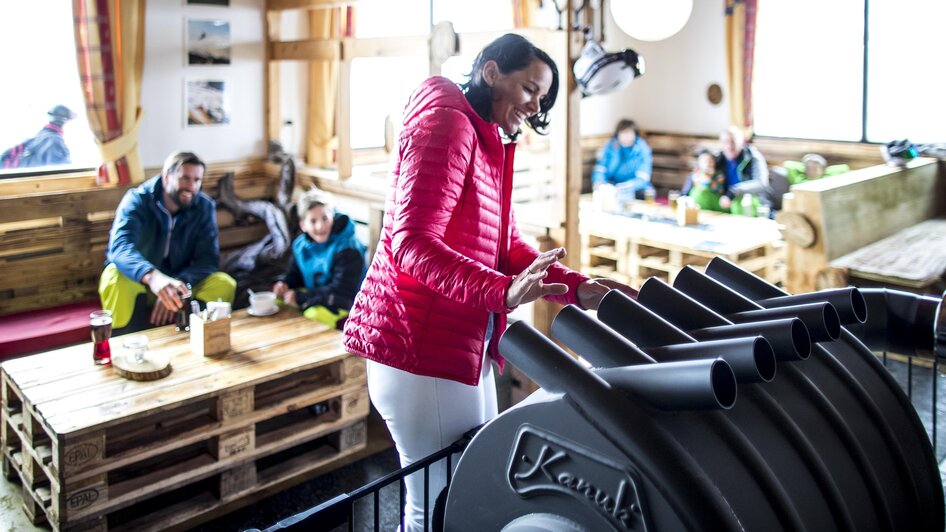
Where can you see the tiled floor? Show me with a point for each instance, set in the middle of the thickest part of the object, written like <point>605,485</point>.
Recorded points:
<point>916,380</point>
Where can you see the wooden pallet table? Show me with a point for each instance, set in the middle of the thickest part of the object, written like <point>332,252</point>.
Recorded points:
<point>94,451</point>
<point>645,241</point>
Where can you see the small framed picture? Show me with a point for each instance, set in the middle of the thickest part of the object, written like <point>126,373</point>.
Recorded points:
<point>207,102</point>
<point>208,42</point>
<point>207,2</point>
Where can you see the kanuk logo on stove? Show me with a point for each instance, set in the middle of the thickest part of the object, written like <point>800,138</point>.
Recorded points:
<point>543,463</point>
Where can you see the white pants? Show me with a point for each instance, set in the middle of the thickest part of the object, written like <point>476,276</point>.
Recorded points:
<point>424,415</point>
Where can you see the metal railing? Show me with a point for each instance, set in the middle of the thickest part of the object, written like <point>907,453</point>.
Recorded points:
<point>912,372</point>
<point>336,512</point>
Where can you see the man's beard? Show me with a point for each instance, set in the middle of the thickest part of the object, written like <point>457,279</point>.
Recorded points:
<point>180,202</point>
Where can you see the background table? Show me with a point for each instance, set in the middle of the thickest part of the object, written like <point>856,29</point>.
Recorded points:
<point>645,241</point>
<point>95,451</point>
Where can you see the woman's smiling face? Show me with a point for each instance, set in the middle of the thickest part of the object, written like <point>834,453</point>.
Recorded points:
<point>516,95</point>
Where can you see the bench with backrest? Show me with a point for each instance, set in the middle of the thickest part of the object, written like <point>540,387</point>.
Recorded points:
<point>673,154</point>
<point>52,250</point>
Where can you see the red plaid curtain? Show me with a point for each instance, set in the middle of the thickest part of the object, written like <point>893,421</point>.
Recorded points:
<point>740,46</point>
<point>110,52</point>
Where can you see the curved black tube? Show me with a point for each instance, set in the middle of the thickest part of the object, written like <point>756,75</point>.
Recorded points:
<point>637,323</point>
<point>686,385</point>
<point>673,472</point>
<point>898,321</point>
<point>595,341</point>
<point>748,284</point>
<point>849,302</point>
<point>725,300</point>
<point>673,305</point>
<point>821,319</point>
<point>751,358</point>
<point>788,337</point>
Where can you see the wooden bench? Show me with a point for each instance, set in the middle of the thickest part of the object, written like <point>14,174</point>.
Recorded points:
<point>673,154</point>
<point>832,217</point>
<point>53,243</point>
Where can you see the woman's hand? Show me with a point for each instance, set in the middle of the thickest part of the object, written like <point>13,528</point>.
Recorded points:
<point>591,291</point>
<point>528,285</point>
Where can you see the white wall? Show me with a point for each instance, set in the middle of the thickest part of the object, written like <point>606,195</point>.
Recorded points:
<point>162,97</point>
<point>671,95</point>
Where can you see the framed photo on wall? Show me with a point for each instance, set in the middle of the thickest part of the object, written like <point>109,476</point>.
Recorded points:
<point>207,102</point>
<point>207,2</point>
<point>208,42</point>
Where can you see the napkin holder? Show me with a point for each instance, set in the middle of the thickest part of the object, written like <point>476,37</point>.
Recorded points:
<point>210,338</point>
<point>687,213</point>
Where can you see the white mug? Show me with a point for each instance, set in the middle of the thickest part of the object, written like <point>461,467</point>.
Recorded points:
<point>262,302</point>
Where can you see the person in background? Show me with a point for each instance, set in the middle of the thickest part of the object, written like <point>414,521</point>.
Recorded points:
<point>164,235</point>
<point>743,165</point>
<point>706,185</point>
<point>451,263</point>
<point>812,166</point>
<point>327,264</point>
<point>625,163</point>
<point>46,148</point>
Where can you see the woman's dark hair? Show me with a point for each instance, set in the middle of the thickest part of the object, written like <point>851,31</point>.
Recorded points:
<point>626,124</point>
<point>512,53</point>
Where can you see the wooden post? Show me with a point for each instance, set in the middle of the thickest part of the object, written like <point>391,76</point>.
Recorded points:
<point>566,140</point>
<point>343,112</point>
<point>271,87</point>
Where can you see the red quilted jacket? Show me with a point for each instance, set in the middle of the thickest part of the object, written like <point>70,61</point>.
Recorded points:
<point>449,246</point>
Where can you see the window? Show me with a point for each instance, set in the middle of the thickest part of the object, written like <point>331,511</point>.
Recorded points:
<point>809,70</point>
<point>39,46</point>
<point>380,87</point>
<point>904,71</point>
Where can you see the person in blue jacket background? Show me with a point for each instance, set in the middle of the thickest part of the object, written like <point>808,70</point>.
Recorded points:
<point>626,162</point>
<point>164,235</point>
<point>327,264</point>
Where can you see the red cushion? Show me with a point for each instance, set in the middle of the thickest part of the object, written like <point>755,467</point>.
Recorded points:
<point>40,330</point>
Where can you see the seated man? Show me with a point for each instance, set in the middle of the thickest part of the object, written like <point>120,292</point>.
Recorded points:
<point>164,235</point>
<point>327,264</point>
<point>744,167</point>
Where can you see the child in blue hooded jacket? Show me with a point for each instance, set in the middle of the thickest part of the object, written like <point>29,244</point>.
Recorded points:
<point>327,264</point>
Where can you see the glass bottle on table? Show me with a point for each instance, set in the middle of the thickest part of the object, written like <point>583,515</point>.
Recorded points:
<point>182,317</point>
<point>100,322</point>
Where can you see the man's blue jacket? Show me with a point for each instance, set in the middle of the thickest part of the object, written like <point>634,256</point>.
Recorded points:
<point>145,237</point>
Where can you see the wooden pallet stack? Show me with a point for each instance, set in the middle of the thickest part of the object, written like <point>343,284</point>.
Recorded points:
<point>633,249</point>
<point>93,451</point>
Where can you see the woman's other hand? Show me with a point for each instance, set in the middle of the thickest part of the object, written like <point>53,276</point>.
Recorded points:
<point>591,291</point>
<point>528,286</point>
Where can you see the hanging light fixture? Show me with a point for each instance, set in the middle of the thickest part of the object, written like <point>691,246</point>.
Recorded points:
<point>651,20</point>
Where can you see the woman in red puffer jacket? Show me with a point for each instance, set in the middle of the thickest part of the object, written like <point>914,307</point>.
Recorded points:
<point>451,263</point>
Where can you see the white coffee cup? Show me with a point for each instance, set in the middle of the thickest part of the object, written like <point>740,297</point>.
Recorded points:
<point>262,302</point>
